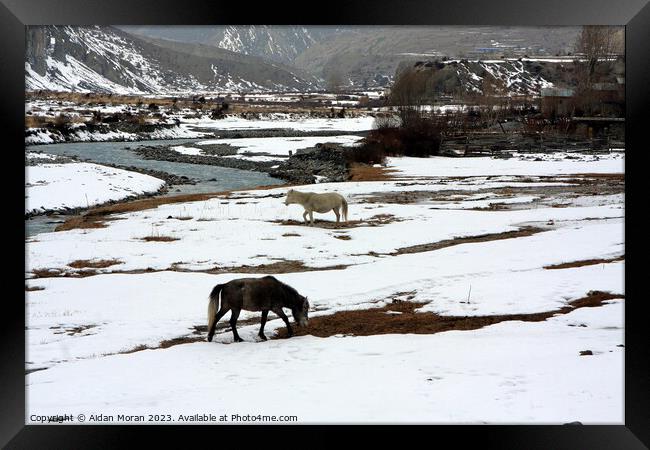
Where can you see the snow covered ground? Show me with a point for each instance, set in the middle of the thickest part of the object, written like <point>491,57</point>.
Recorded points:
<point>509,373</point>
<point>45,136</point>
<point>50,187</point>
<point>175,123</point>
<point>82,329</point>
<point>551,164</point>
<point>287,121</point>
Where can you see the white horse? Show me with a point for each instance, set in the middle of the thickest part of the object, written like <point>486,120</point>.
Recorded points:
<point>320,203</point>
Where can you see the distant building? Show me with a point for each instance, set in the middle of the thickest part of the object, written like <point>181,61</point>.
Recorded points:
<point>557,101</point>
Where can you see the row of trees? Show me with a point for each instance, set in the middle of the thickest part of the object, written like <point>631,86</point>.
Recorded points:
<point>598,42</point>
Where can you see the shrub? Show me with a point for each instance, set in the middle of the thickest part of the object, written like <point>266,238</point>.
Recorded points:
<point>421,138</point>
<point>60,122</point>
<point>367,153</point>
<point>34,121</point>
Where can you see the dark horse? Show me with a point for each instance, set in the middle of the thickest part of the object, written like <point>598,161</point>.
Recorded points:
<point>255,294</point>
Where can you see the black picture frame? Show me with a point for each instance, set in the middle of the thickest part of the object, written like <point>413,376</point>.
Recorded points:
<point>15,14</point>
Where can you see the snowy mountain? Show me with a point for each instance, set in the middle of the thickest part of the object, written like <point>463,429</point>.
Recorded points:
<point>367,56</point>
<point>176,59</point>
<point>278,43</point>
<point>106,59</point>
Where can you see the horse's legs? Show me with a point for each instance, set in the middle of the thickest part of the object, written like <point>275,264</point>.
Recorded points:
<point>304,216</point>
<point>265,314</point>
<point>278,311</point>
<point>338,216</point>
<point>233,324</point>
<point>311,217</point>
<point>219,315</point>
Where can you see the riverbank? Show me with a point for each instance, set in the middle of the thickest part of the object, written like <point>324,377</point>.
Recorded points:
<point>49,120</point>
<point>67,186</point>
<point>321,163</point>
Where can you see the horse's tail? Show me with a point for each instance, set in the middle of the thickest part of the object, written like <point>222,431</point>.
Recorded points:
<point>212,307</point>
<point>345,210</point>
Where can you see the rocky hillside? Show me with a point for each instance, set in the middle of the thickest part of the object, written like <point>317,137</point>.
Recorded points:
<point>106,59</point>
<point>367,56</point>
<point>523,76</point>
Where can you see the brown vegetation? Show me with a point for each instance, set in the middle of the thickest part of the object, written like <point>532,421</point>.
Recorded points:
<point>376,321</point>
<point>160,238</point>
<point>94,264</point>
<point>34,288</point>
<point>584,262</point>
<point>522,232</point>
<point>364,172</point>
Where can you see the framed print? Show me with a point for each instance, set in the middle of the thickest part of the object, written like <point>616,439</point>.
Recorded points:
<point>357,214</point>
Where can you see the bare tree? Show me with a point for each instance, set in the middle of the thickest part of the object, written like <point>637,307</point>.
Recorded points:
<point>597,42</point>
<point>408,93</point>
<point>495,99</point>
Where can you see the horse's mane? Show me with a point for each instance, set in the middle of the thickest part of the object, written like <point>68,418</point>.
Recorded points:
<point>288,290</point>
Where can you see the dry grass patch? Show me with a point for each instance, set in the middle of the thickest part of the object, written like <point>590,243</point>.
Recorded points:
<point>35,121</point>
<point>405,197</point>
<point>282,266</point>
<point>57,273</point>
<point>525,231</point>
<point>94,264</point>
<point>376,321</point>
<point>82,222</point>
<point>379,219</point>
<point>159,238</point>
<point>179,340</point>
<point>46,273</point>
<point>364,172</point>
<point>584,262</point>
<point>71,331</point>
<point>34,288</point>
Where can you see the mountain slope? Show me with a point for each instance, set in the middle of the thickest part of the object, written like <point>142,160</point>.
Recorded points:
<point>278,43</point>
<point>367,56</point>
<point>105,59</point>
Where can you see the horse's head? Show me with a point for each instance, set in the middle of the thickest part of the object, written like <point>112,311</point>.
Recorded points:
<point>301,312</point>
<point>290,197</point>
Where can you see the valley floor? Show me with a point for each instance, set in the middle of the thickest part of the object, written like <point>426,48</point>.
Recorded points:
<point>527,252</point>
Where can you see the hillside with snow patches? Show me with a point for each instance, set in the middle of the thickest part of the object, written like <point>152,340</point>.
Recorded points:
<point>365,56</point>
<point>169,60</point>
<point>278,43</point>
<point>518,77</point>
<point>105,59</point>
